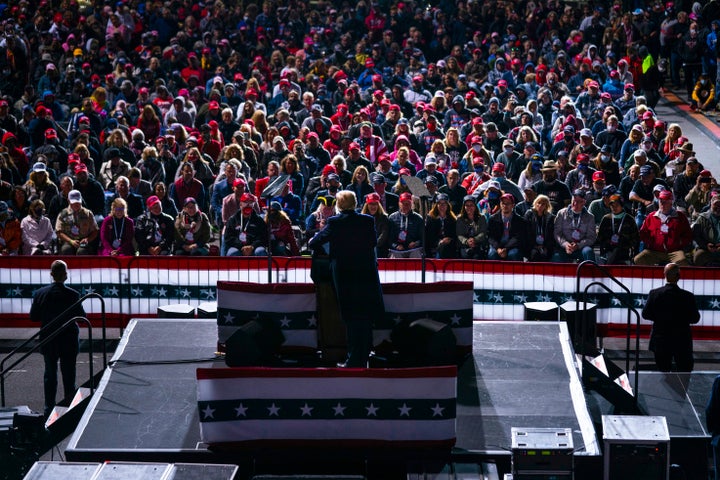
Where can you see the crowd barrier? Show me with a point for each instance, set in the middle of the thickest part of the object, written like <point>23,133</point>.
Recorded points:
<point>136,286</point>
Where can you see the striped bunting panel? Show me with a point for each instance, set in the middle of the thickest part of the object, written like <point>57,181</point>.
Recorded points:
<point>371,407</point>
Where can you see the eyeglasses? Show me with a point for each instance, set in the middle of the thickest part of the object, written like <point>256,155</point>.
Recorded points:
<point>119,209</point>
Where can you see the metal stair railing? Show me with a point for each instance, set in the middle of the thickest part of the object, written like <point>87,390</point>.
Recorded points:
<point>631,310</point>
<point>51,326</point>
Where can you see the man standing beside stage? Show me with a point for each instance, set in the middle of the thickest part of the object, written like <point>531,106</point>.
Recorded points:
<point>48,303</point>
<point>672,310</point>
<point>353,266</point>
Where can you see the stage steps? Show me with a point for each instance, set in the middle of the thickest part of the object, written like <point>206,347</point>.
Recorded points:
<point>602,375</point>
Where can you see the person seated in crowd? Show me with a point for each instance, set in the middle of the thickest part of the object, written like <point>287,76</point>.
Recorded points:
<point>455,192</point>
<point>39,186</point>
<point>540,221</point>
<point>134,202</point>
<point>506,231</point>
<point>246,234</point>
<point>575,232</point>
<point>117,232</point>
<point>192,230</point>
<point>642,191</point>
<point>317,219</point>
<point>282,238</point>
<point>440,230</point>
<point>472,231</point>
<point>698,198</point>
<point>618,235</point>
<point>666,234</point>
<point>187,186</point>
<point>291,204</point>
<point>406,230</point>
<point>360,184</point>
<point>91,190</point>
<point>706,233</point>
<point>552,187</point>
<point>10,231</point>
<point>113,168</point>
<point>373,207</point>
<point>154,230</point>
<point>76,228</point>
<point>601,206</point>
<point>138,185</point>
<point>37,231</point>
<point>388,200</point>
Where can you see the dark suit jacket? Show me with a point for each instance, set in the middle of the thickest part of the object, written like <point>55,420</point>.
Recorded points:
<point>518,231</point>
<point>353,264</point>
<point>49,302</point>
<point>672,310</point>
<point>135,205</point>
<point>391,202</point>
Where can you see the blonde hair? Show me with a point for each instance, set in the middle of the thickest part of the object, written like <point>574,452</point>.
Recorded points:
<point>345,200</point>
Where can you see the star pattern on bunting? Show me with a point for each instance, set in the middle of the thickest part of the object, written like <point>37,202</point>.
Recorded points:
<point>306,410</point>
<point>14,292</point>
<point>640,302</point>
<point>241,410</point>
<point>520,298</point>
<point>312,321</point>
<point>228,317</point>
<point>372,410</point>
<point>208,293</point>
<point>455,319</point>
<point>111,292</point>
<point>437,410</point>
<point>184,293</point>
<point>339,410</point>
<point>285,322</point>
<point>498,297</point>
<point>615,302</point>
<point>87,290</point>
<point>137,292</point>
<point>273,410</point>
<point>208,412</point>
<point>714,303</point>
<point>404,410</point>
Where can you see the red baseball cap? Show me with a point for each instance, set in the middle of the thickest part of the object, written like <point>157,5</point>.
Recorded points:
<point>405,197</point>
<point>598,176</point>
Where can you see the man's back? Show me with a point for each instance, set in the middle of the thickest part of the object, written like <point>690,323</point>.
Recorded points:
<point>52,300</point>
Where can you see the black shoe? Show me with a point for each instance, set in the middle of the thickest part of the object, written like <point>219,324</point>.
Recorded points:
<point>342,365</point>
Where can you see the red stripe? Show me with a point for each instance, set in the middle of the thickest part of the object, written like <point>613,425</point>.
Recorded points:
<point>439,287</point>
<point>274,288</point>
<point>264,372</point>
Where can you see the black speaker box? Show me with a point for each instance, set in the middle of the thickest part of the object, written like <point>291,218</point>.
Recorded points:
<point>254,343</point>
<point>425,342</point>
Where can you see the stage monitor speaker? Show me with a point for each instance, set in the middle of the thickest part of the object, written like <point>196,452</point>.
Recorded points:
<point>541,311</point>
<point>254,343</point>
<point>207,310</point>
<point>176,310</point>
<point>581,324</point>
<point>425,342</point>
<point>636,447</point>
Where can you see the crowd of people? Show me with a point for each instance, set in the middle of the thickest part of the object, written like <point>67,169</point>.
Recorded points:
<point>154,128</point>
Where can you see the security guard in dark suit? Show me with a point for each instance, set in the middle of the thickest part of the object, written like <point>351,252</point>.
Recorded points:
<point>672,310</point>
<point>49,302</point>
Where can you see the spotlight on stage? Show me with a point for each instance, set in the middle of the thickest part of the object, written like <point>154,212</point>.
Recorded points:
<point>425,342</point>
<point>255,343</point>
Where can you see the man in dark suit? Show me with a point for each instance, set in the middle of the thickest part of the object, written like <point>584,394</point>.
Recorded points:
<point>48,303</point>
<point>353,266</point>
<point>506,231</point>
<point>388,200</point>
<point>712,421</point>
<point>672,310</point>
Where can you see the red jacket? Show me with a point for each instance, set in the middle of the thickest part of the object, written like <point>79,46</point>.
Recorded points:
<point>678,235</point>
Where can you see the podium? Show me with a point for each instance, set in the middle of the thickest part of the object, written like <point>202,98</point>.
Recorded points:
<point>544,311</point>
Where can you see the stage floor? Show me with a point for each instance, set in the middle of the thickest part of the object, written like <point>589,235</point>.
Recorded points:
<point>520,375</point>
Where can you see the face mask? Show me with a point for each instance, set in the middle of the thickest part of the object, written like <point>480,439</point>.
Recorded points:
<point>611,128</point>
<point>432,127</point>
<point>647,148</point>
<point>582,167</point>
<point>247,211</point>
<point>551,82</point>
<point>604,158</point>
<point>333,188</point>
<point>508,150</point>
<point>618,216</point>
<point>703,82</point>
<point>476,148</point>
<point>493,195</point>
<point>478,169</point>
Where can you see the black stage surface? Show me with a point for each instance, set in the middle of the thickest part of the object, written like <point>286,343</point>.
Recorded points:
<point>521,374</point>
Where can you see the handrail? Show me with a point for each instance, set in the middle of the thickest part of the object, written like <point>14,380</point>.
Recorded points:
<point>51,325</point>
<point>606,272</point>
<point>44,341</point>
<point>637,330</point>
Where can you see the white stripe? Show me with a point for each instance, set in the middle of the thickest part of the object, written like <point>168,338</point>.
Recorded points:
<point>267,302</point>
<point>421,302</point>
<point>293,338</point>
<point>324,388</point>
<point>380,430</point>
